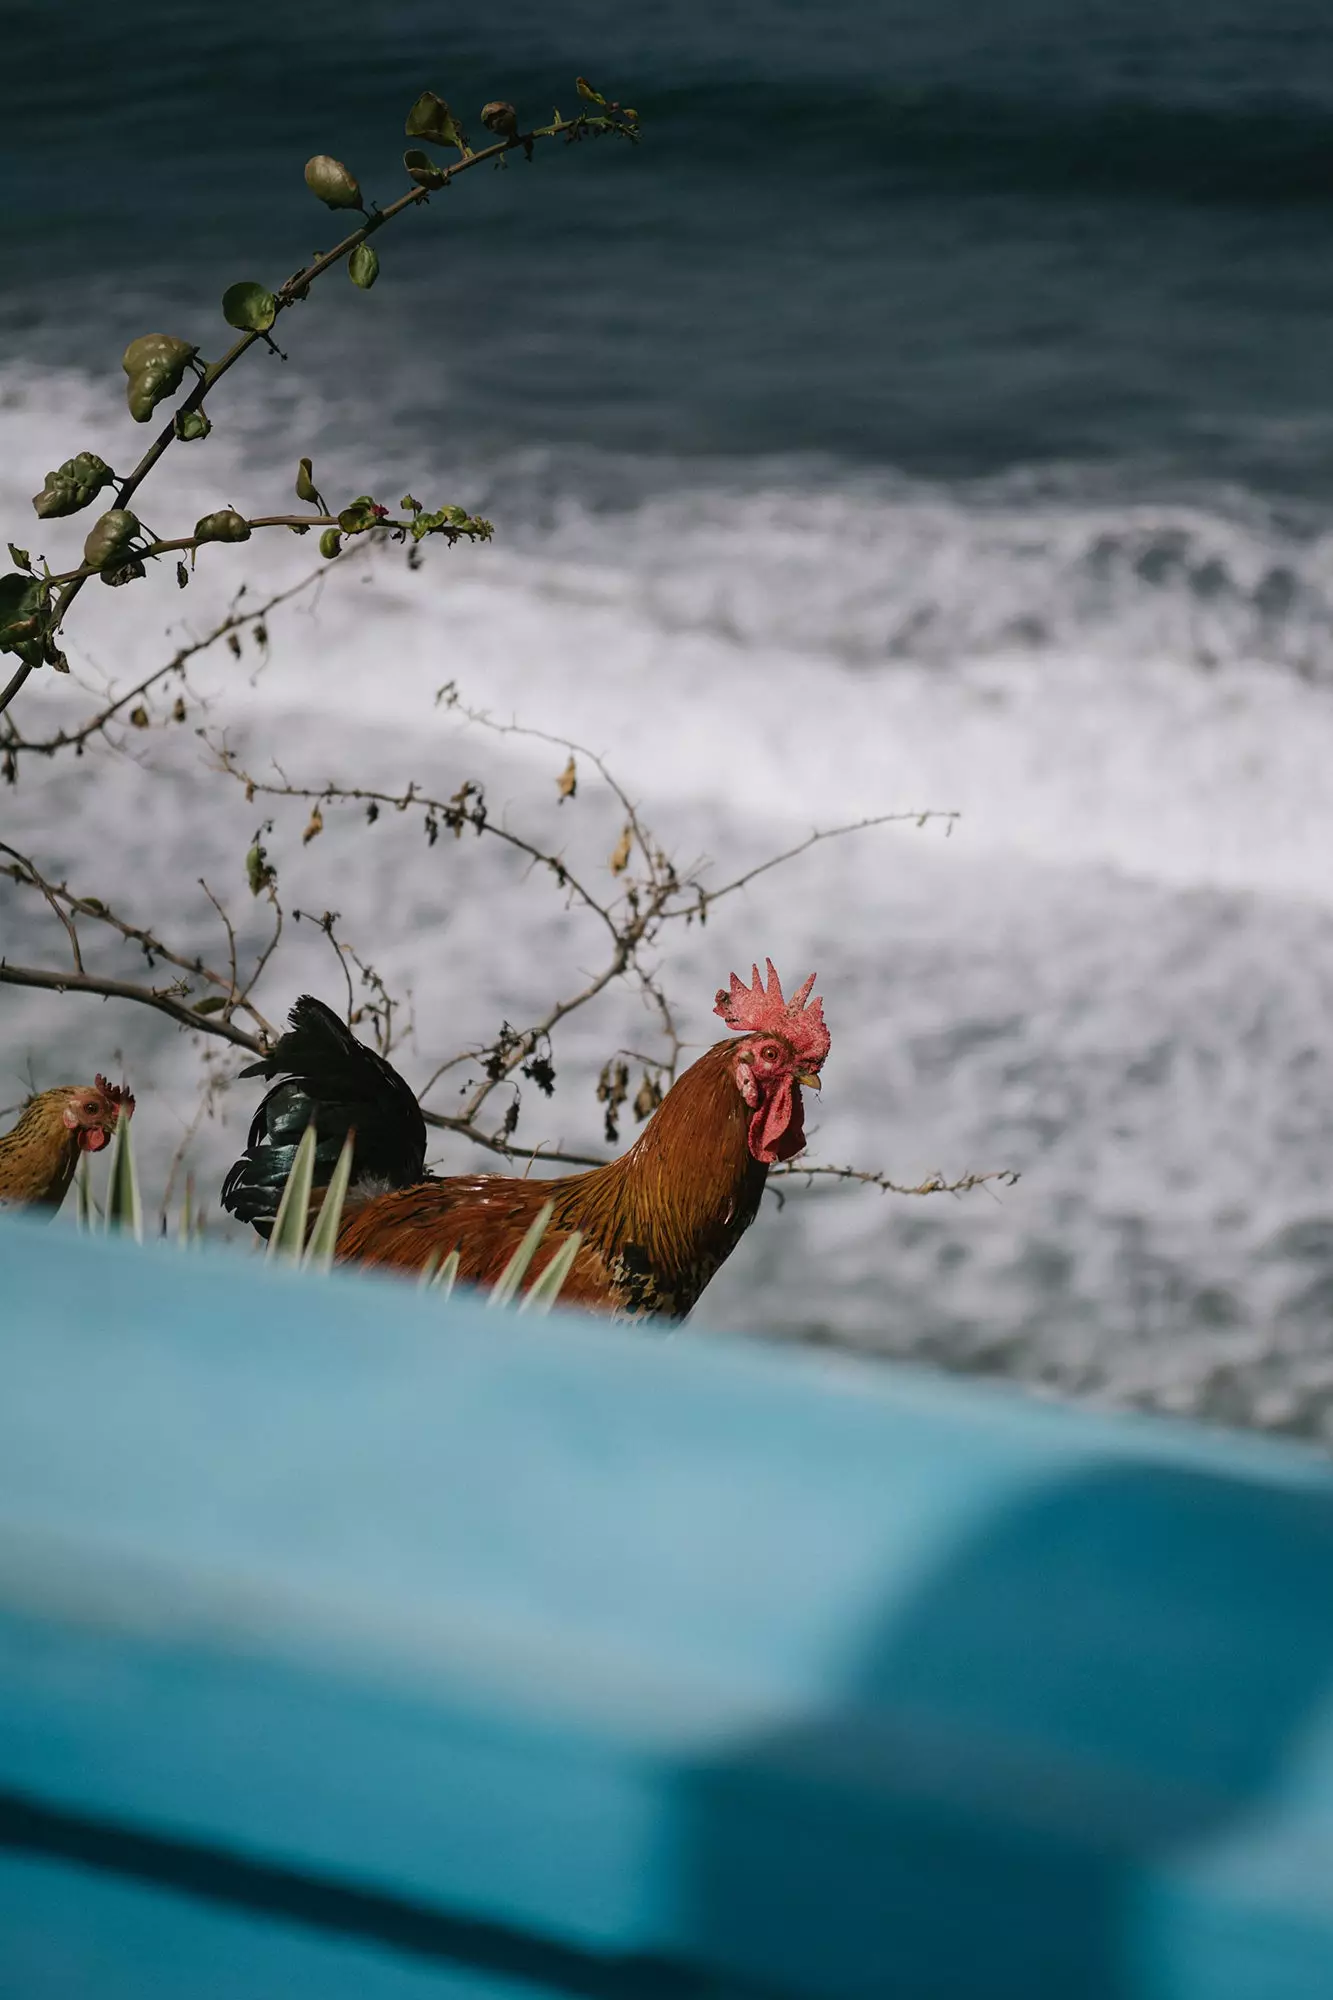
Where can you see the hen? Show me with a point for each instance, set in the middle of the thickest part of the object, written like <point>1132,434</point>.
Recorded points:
<point>656,1223</point>
<point>38,1158</point>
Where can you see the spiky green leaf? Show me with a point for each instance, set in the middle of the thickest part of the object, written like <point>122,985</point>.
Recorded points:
<point>516,1269</point>
<point>324,1235</point>
<point>442,1279</point>
<point>288,1234</point>
<point>546,1286</point>
<point>124,1204</point>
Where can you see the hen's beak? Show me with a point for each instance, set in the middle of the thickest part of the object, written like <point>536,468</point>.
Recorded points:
<point>810,1079</point>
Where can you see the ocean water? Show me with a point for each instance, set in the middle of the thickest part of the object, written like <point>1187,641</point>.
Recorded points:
<point>933,412</point>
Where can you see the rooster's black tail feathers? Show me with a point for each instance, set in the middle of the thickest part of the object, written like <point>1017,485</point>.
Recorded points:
<point>323,1075</point>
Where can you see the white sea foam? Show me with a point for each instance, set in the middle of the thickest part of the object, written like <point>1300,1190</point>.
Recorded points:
<point>1113,974</point>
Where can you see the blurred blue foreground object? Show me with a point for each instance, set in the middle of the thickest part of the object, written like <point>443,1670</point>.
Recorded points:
<point>359,1647</point>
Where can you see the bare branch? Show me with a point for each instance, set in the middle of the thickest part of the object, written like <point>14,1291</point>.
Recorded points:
<point>164,1000</point>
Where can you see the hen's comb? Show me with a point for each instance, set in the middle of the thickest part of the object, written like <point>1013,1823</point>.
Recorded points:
<point>760,1009</point>
<point>119,1093</point>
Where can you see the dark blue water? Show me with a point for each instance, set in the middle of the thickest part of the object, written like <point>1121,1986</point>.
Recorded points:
<point>949,240</point>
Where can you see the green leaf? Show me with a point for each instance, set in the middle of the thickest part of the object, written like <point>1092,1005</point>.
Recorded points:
<point>332,182</point>
<point>213,1003</point>
<point>430,118</point>
<point>363,266</point>
<point>515,1270</point>
<point>585,90</point>
<point>72,485</point>
<point>545,1288</point>
<point>324,1235</point>
<point>305,483</point>
<point>358,515</point>
<point>224,526</point>
<point>155,364</point>
<point>24,611</point>
<point>21,558</point>
<point>248,307</point>
<point>124,1206</point>
<point>191,425</point>
<point>423,170</point>
<point>287,1238</point>
<point>330,543</point>
<point>110,537</point>
<point>259,872</point>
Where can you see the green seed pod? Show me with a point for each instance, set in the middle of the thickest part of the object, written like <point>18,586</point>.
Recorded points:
<point>72,485</point>
<point>248,307</point>
<point>330,543</point>
<point>191,424</point>
<point>23,615</point>
<point>430,118</point>
<point>500,118</point>
<point>423,170</point>
<point>224,526</point>
<point>155,364</point>
<point>109,538</point>
<point>363,266</point>
<point>331,181</point>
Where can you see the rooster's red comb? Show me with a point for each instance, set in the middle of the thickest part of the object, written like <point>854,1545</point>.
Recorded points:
<point>760,1009</point>
<point>120,1094</point>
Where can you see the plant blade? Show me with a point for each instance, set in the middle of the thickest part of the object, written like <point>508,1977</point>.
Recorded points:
<point>515,1270</point>
<point>124,1204</point>
<point>545,1288</point>
<point>324,1235</point>
<point>85,1208</point>
<point>287,1238</point>
<point>442,1280</point>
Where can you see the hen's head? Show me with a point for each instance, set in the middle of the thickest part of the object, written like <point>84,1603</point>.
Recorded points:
<point>785,1042</point>
<point>91,1109</point>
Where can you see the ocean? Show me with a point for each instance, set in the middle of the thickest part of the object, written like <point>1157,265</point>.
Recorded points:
<point>934,412</point>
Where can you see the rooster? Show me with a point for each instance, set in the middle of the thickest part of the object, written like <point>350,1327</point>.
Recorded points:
<point>655,1223</point>
<point>38,1158</point>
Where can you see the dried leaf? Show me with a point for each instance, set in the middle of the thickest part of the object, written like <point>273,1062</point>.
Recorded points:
<point>139,717</point>
<point>620,857</point>
<point>567,783</point>
<point>314,827</point>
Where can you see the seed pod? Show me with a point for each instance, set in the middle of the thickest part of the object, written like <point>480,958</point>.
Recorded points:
<point>72,485</point>
<point>248,307</point>
<point>430,118</point>
<point>109,537</point>
<point>191,424</point>
<point>363,266</point>
<point>500,118</point>
<point>224,526</point>
<point>332,182</point>
<point>423,170</point>
<point>155,364</point>
<point>330,543</point>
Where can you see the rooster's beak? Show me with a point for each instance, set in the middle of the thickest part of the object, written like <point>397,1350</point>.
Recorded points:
<point>810,1079</point>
